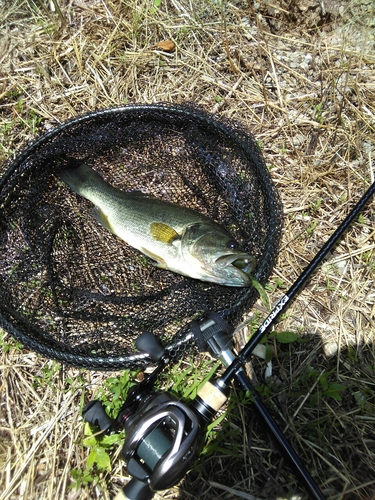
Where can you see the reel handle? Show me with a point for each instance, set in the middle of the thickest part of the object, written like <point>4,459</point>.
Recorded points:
<point>148,343</point>
<point>94,414</point>
<point>135,490</point>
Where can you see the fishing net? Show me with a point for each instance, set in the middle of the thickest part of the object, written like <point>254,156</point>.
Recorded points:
<point>73,291</point>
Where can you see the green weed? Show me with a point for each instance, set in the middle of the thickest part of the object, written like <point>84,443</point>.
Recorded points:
<point>114,392</point>
<point>311,228</point>
<point>285,337</point>
<point>6,128</point>
<point>28,119</point>
<point>318,113</point>
<point>325,387</point>
<point>342,198</point>
<point>8,344</point>
<point>330,388</point>
<point>98,462</point>
<point>275,284</point>
<point>369,259</point>
<point>157,4</point>
<point>262,292</point>
<point>47,374</point>
<point>182,33</point>
<point>316,205</point>
<point>361,219</point>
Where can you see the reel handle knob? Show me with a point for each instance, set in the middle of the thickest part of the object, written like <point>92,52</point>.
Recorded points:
<point>94,414</point>
<point>148,343</point>
<point>135,490</point>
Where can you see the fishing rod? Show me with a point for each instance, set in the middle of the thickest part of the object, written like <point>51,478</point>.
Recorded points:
<point>298,284</point>
<point>162,432</point>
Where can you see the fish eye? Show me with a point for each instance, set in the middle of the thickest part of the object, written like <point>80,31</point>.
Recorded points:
<point>232,244</point>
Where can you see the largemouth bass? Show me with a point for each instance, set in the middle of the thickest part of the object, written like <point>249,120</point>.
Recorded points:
<point>176,238</point>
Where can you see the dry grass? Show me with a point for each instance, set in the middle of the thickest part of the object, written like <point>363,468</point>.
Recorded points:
<point>305,85</point>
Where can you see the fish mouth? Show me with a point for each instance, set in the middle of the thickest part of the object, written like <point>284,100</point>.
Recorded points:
<point>243,262</point>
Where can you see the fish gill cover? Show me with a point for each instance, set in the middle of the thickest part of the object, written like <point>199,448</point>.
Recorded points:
<point>73,291</point>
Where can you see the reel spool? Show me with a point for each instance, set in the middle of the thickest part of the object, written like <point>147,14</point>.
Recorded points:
<point>76,293</point>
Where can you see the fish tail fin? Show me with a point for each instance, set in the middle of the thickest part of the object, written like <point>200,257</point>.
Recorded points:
<point>81,178</point>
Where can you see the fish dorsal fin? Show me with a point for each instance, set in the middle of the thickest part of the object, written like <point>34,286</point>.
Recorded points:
<point>163,232</point>
<point>102,218</point>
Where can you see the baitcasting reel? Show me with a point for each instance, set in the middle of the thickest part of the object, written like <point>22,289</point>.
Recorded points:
<point>162,432</point>
<point>161,441</point>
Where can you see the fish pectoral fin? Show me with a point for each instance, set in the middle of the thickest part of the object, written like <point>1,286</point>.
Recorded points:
<point>157,261</point>
<point>102,219</point>
<point>164,233</point>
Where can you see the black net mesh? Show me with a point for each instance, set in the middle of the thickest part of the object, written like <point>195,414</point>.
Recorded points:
<point>71,290</point>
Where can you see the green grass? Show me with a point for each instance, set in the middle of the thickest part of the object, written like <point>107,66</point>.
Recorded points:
<point>9,344</point>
